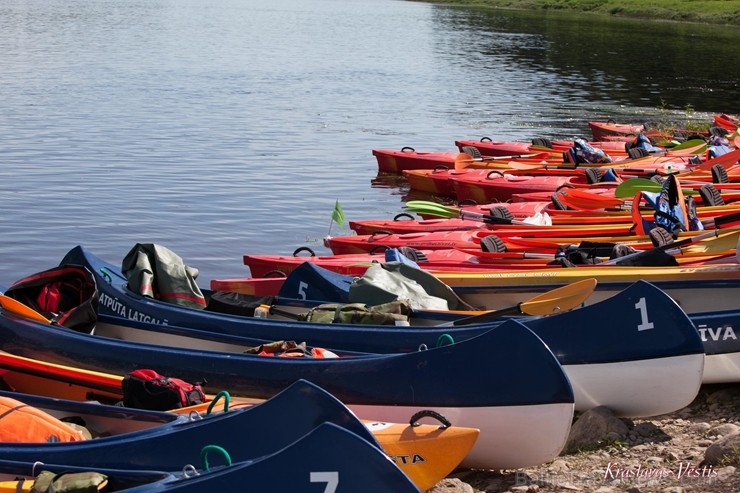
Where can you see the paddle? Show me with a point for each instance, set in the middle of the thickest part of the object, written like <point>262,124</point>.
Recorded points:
<point>628,188</point>
<point>525,166</point>
<point>434,209</point>
<point>464,160</point>
<point>550,302</point>
<point>584,200</point>
<point>728,159</point>
<point>719,222</point>
<point>16,307</point>
<point>697,146</point>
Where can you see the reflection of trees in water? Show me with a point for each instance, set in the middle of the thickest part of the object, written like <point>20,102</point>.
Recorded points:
<point>575,56</point>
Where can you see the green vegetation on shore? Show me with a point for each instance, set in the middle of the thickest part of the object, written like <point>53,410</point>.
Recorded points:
<point>705,11</point>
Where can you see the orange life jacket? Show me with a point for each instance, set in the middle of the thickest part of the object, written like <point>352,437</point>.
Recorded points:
<point>20,422</point>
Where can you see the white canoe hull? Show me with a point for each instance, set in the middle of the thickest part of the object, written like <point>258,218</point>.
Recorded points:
<point>722,368</point>
<point>624,387</point>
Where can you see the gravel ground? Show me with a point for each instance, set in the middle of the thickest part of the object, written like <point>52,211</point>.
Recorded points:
<point>663,454</point>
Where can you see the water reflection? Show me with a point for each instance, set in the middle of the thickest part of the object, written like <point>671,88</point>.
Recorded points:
<point>572,56</point>
<point>219,129</point>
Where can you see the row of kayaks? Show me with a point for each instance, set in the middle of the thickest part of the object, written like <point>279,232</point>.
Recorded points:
<point>543,369</point>
<point>612,143</point>
<point>352,397</point>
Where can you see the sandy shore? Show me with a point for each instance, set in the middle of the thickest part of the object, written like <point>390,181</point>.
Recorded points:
<point>664,454</point>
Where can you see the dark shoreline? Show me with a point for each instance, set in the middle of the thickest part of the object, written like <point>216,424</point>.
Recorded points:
<point>726,13</point>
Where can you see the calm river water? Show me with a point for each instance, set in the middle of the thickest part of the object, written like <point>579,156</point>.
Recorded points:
<point>224,127</point>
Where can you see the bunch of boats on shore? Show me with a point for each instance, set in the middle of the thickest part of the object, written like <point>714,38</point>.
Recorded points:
<point>638,339</point>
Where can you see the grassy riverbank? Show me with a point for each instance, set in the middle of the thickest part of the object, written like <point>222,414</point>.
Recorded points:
<point>705,11</point>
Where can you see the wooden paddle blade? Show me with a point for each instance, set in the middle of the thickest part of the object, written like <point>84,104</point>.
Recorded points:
<point>560,299</point>
<point>16,307</point>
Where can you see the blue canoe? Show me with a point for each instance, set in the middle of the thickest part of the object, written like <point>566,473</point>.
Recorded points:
<point>525,421</point>
<point>327,458</point>
<point>607,358</point>
<point>140,439</point>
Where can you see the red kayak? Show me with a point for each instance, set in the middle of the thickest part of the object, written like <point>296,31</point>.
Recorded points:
<point>395,161</point>
<point>611,129</point>
<point>488,147</point>
<point>440,240</point>
<point>495,186</point>
<point>355,264</point>
<point>438,181</point>
<point>405,223</point>
<point>727,122</point>
<point>517,253</point>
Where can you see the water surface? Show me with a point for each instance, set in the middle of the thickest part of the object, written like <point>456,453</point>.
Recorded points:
<point>219,128</point>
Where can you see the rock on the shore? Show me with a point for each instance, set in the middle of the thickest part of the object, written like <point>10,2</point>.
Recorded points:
<point>724,450</point>
<point>594,428</point>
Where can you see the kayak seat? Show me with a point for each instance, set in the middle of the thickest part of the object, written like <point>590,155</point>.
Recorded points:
<point>637,152</point>
<point>559,205</point>
<point>492,243</point>
<point>710,195</point>
<point>593,175</point>
<point>498,215</point>
<point>472,151</point>
<point>660,236</point>
<point>719,174</point>
<point>718,131</point>
<point>542,142</point>
<point>413,254</point>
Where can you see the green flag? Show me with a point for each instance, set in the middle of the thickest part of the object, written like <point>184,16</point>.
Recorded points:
<point>338,214</point>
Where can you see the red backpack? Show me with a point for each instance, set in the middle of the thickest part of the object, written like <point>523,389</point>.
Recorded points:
<point>66,294</point>
<point>147,389</point>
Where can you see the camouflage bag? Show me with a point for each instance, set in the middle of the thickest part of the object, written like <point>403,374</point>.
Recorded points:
<point>69,482</point>
<point>359,313</point>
